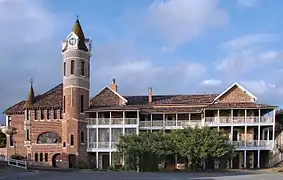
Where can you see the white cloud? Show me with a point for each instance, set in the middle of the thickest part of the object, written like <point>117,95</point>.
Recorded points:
<point>178,21</point>
<point>248,3</point>
<point>258,87</point>
<point>28,48</point>
<point>211,82</point>
<point>248,53</point>
<point>26,20</point>
<point>248,62</point>
<point>248,41</point>
<point>134,75</point>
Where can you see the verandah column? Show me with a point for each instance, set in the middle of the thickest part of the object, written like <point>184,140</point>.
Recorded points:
<point>258,143</point>
<point>110,140</point>
<point>273,128</point>
<point>123,132</point>
<point>245,151</point>
<point>96,144</point>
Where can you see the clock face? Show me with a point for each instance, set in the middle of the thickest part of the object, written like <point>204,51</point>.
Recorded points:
<point>72,41</point>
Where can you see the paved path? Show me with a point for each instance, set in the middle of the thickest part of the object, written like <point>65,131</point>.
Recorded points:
<point>44,175</point>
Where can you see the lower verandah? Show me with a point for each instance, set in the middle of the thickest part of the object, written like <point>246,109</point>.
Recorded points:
<point>255,159</point>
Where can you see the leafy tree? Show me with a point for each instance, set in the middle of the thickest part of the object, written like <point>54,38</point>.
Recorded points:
<point>2,140</point>
<point>197,145</point>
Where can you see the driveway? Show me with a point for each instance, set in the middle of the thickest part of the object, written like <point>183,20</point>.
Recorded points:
<point>79,175</point>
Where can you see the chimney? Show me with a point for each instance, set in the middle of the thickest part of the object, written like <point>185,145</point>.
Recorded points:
<point>113,85</point>
<point>149,95</point>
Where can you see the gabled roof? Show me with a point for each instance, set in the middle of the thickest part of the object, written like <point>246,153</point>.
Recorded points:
<point>239,86</point>
<point>107,97</point>
<point>50,99</point>
<point>116,93</point>
<point>194,99</point>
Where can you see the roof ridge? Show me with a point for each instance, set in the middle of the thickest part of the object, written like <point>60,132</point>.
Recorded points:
<point>49,91</point>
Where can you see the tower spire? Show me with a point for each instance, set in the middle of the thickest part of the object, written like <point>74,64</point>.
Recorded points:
<point>31,98</point>
<point>78,30</point>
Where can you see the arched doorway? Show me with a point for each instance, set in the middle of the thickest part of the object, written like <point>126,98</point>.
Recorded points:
<point>60,160</point>
<point>55,158</point>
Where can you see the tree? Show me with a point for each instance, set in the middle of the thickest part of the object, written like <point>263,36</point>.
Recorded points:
<point>197,145</point>
<point>2,140</point>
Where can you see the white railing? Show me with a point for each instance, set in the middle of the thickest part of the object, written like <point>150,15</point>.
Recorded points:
<point>102,145</point>
<point>157,123</point>
<point>112,121</point>
<point>130,121</point>
<point>253,143</point>
<point>239,120</point>
<point>15,163</point>
<point>170,123</point>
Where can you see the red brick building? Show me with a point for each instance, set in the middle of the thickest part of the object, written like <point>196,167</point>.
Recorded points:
<point>65,127</point>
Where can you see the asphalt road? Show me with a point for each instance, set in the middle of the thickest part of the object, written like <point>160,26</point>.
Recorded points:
<point>47,175</point>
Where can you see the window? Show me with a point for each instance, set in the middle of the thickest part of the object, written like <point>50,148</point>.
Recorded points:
<point>27,114</point>
<point>61,113</point>
<point>41,157</point>
<point>82,103</point>
<point>11,140</point>
<point>35,156</point>
<point>46,157</point>
<point>64,103</point>
<point>64,68</point>
<point>42,114</point>
<point>9,123</point>
<point>27,135</point>
<point>29,156</point>
<point>72,66</point>
<point>35,114</point>
<point>82,137</point>
<point>54,113</point>
<point>48,138</point>
<point>48,113</point>
<point>72,140</point>
<point>82,68</point>
<point>64,144</point>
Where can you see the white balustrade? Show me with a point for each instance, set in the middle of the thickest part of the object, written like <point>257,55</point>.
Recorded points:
<point>112,121</point>
<point>14,162</point>
<point>253,143</point>
<point>102,145</point>
<point>238,120</point>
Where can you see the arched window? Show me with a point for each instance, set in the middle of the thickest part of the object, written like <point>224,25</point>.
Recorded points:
<point>48,138</point>
<point>82,68</point>
<point>72,140</point>
<point>72,66</point>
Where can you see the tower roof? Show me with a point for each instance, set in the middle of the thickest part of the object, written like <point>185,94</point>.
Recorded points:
<point>31,98</point>
<point>77,29</point>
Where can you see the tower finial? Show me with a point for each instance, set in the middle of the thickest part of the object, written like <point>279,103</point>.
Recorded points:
<point>31,81</point>
<point>77,17</point>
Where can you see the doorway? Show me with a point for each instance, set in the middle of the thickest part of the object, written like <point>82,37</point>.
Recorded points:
<point>236,162</point>
<point>72,160</point>
<point>105,161</point>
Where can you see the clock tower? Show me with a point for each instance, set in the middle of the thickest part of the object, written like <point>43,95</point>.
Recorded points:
<point>76,50</point>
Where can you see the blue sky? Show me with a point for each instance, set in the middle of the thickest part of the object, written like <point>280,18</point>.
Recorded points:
<point>175,46</point>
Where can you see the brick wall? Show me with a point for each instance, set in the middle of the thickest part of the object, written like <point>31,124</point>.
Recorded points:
<point>17,121</point>
<point>235,94</point>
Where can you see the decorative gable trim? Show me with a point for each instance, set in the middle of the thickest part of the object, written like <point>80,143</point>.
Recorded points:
<point>239,86</point>
<point>116,93</point>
